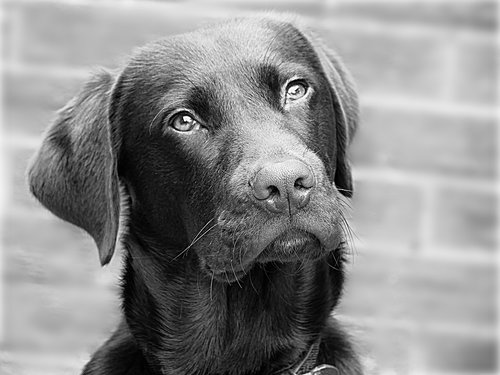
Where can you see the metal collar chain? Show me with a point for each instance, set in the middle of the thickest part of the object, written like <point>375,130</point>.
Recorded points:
<point>323,370</point>
<point>307,365</point>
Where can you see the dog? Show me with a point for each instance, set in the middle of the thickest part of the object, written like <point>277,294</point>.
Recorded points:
<point>222,153</point>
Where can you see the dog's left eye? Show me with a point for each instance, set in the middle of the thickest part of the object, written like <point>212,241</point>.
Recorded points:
<point>296,90</point>
<point>184,122</point>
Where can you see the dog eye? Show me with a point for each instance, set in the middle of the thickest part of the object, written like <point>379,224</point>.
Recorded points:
<point>184,122</point>
<point>296,90</point>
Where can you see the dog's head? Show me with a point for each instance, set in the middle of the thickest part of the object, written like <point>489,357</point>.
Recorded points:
<point>230,143</point>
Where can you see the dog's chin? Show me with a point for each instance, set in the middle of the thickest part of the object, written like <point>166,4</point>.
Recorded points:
<point>290,246</point>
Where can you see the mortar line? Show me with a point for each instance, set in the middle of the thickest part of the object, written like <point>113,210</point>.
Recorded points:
<point>423,179</point>
<point>482,331</point>
<point>465,256</point>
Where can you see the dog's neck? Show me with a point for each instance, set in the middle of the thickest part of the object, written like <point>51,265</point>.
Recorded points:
<point>186,322</point>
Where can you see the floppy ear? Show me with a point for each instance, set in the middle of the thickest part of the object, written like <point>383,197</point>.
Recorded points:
<point>346,107</point>
<point>347,116</point>
<point>345,101</point>
<point>73,173</point>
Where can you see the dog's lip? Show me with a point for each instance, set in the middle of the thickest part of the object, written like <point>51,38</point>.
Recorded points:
<point>293,238</point>
<point>234,274</point>
<point>295,234</point>
<point>289,246</point>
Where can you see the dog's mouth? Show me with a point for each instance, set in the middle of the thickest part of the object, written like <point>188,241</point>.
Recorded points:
<point>243,242</point>
<point>290,246</point>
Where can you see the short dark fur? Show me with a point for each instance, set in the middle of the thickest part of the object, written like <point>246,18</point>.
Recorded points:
<point>214,283</point>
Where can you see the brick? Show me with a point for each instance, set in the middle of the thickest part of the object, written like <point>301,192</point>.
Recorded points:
<point>18,195</point>
<point>387,349</point>
<point>465,219</point>
<point>31,100</point>
<point>22,363</point>
<point>424,142</point>
<point>422,291</point>
<point>476,15</point>
<point>46,250</point>
<point>458,354</point>
<point>10,34</point>
<point>59,318</point>
<point>35,89</point>
<point>477,65</point>
<point>311,8</point>
<point>412,66</point>
<point>85,35</point>
<point>390,348</point>
<point>29,121</point>
<point>388,213</point>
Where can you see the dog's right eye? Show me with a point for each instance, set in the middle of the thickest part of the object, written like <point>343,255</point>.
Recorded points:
<point>184,122</point>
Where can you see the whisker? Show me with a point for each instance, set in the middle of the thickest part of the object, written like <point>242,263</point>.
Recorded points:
<point>201,230</point>
<point>348,233</point>
<point>251,283</point>
<point>195,241</point>
<point>331,266</point>
<point>344,202</point>
<point>234,248</point>
<point>234,273</point>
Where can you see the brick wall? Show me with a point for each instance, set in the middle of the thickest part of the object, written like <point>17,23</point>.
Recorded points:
<point>421,296</point>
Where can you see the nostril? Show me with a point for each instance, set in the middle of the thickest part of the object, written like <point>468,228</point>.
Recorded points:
<point>300,184</point>
<point>304,182</point>
<point>273,191</point>
<point>263,190</point>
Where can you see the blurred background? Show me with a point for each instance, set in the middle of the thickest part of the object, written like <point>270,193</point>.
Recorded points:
<point>422,291</point>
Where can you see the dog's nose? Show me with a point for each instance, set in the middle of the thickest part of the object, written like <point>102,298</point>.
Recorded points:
<point>283,186</point>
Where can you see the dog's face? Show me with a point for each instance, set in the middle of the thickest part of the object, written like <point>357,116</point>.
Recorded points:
<point>231,145</point>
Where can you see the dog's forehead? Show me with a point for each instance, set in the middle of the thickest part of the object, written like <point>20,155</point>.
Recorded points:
<point>227,47</point>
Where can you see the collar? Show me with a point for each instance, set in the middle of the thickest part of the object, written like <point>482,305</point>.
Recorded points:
<point>307,364</point>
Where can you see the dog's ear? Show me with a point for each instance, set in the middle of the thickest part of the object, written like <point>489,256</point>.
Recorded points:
<point>73,173</point>
<point>345,101</point>
<point>346,107</point>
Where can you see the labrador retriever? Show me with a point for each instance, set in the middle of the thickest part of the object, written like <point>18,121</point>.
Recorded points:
<point>223,151</point>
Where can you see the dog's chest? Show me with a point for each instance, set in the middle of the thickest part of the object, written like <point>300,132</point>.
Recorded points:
<point>247,325</point>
